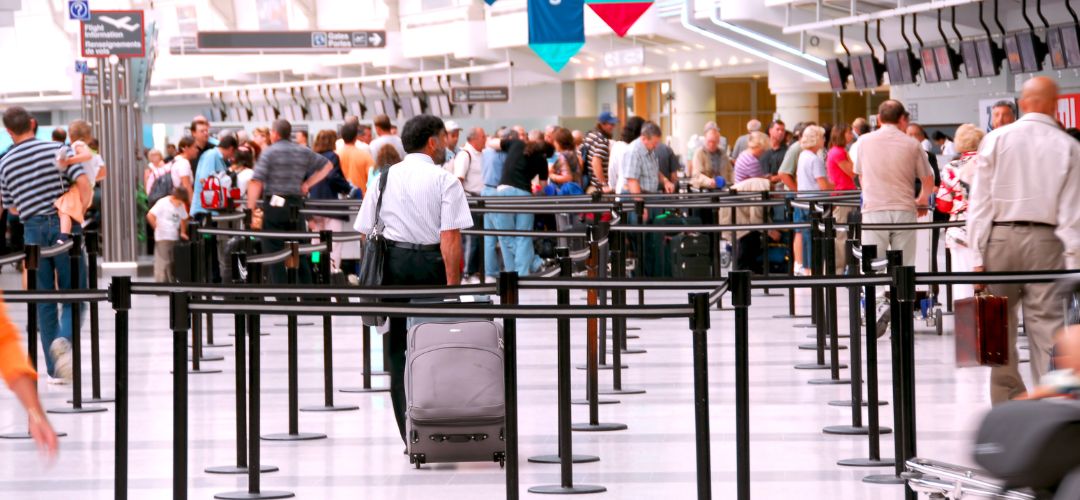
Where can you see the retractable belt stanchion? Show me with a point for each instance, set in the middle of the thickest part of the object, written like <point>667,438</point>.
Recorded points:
<point>180,322</point>
<point>616,245</point>
<point>30,263</point>
<point>566,450</point>
<point>239,263</point>
<point>75,284</point>
<point>827,267</point>
<point>592,385</point>
<point>874,429</point>
<point>327,238</point>
<point>895,259</point>
<point>198,272</point>
<point>816,294</point>
<point>92,242</point>
<point>739,282</point>
<point>210,252</point>
<point>948,288</point>
<point>789,212</point>
<point>618,328</point>
<point>508,295</point>
<point>854,325</point>
<point>699,325</point>
<point>905,277</point>
<point>254,461</point>
<point>120,297</point>
<point>292,265</point>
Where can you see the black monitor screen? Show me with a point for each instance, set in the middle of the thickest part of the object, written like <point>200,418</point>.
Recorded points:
<point>1057,50</point>
<point>971,58</point>
<point>407,109</point>
<point>930,73</point>
<point>1028,54</point>
<point>836,74</point>
<point>892,65</point>
<point>870,68</point>
<point>1071,42</point>
<point>988,63</point>
<point>1012,50</point>
<point>855,63</point>
<point>945,69</point>
<point>380,108</point>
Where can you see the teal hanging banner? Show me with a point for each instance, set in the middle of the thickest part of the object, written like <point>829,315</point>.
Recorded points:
<point>556,30</point>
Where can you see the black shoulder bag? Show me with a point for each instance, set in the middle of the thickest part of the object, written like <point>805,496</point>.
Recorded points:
<point>373,255</point>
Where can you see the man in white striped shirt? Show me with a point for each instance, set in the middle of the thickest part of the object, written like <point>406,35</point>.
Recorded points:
<point>30,183</point>
<point>422,215</point>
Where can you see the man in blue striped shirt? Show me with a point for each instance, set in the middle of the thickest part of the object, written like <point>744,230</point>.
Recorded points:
<point>30,183</point>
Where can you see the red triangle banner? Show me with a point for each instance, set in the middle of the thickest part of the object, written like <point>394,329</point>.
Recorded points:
<point>620,16</point>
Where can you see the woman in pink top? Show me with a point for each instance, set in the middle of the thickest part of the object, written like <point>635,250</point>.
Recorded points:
<point>842,174</point>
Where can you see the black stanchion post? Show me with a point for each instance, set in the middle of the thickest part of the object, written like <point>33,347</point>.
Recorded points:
<point>905,284</point>
<point>948,288</point>
<point>327,237</point>
<point>895,260</point>
<point>826,266</point>
<point>816,295</point>
<point>789,214</point>
<point>699,326</point>
<point>508,295</point>
<point>639,209</point>
<point>766,218</point>
<point>75,284</point>
<point>179,321</point>
<point>199,271</point>
<point>592,386</point>
<point>292,270</point>
<point>618,269</point>
<point>566,452</point>
<point>483,243</point>
<point>120,297</point>
<point>854,325</point>
<point>209,256</point>
<point>740,300</point>
<point>92,250</point>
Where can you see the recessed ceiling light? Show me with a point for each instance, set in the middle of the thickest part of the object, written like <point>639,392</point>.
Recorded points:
<point>674,66</point>
<point>700,46</point>
<point>733,60</point>
<point>671,49</point>
<point>686,48</point>
<point>717,62</point>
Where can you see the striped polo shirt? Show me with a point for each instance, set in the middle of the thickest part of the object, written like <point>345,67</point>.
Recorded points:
<point>30,180</point>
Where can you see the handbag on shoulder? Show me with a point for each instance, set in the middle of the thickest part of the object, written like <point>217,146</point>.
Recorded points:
<point>982,331</point>
<point>373,256</point>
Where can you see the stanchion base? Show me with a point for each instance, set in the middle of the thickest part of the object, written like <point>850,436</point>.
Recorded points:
<point>358,390</point>
<point>847,403</point>
<point>600,367</point>
<point>866,462</point>
<point>629,328</point>
<point>804,325</point>
<point>26,435</point>
<point>554,459</point>
<point>300,436</point>
<point>235,469</point>
<point>884,479</point>
<point>200,372</point>
<point>263,334</point>
<point>247,495</point>
<point>299,323</point>
<point>816,366</point>
<point>330,408</point>
<point>828,381</point>
<point>601,427</point>
<point>74,411</point>
<point>791,316</point>
<point>215,345</point>
<point>634,351</point>
<point>813,347</point>
<point>624,390</point>
<point>583,402</point>
<point>839,336</point>
<point>94,401</point>
<point>208,358</point>
<point>632,336</point>
<point>577,489</point>
<point>851,430</point>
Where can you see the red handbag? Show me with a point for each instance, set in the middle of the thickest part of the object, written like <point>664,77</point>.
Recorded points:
<point>982,331</point>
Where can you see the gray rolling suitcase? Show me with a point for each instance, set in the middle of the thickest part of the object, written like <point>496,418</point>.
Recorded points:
<point>454,389</point>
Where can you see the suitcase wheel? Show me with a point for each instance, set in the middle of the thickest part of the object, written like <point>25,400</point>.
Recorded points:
<point>937,320</point>
<point>416,459</point>
<point>500,457</point>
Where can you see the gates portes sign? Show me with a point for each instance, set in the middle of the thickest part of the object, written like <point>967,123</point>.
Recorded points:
<point>118,33</point>
<point>476,95</point>
<point>290,41</point>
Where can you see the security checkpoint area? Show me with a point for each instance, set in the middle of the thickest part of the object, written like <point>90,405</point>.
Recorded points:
<point>257,249</point>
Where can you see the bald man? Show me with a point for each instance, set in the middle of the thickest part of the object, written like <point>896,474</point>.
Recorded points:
<point>1023,216</point>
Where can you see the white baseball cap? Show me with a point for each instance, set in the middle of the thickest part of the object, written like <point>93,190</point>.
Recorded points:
<point>451,125</point>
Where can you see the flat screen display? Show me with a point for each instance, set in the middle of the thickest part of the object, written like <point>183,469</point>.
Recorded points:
<point>837,75</point>
<point>970,54</point>
<point>857,72</point>
<point>1057,50</point>
<point>1029,55</point>
<point>1012,52</point>
<point>929,65</point>
<point>391,108</point>
<point>989,62</point>
<point>380,107</point>
<point>946,71</point>
<point>870,69</point>
<point>407,108</point>
<point>1070,43</point>
<point>899,64</point>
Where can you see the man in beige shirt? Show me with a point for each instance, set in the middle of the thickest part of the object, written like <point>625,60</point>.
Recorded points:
<point>711,162</point>
<point>1019,220</point>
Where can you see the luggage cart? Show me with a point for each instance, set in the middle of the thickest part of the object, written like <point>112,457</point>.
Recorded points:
<point>940,481</point>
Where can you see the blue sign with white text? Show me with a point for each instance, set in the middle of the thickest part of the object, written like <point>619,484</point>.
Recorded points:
<point>79,10</point>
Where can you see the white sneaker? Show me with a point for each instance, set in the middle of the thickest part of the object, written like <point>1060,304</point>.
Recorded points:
<point>60,350</point>
<point>884,317</point>
<point>55,381</point>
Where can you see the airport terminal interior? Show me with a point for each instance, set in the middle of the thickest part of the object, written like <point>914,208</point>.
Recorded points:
<point>465,249</point>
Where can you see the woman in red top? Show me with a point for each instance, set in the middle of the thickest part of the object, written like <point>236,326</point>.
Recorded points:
<point>841,172</point>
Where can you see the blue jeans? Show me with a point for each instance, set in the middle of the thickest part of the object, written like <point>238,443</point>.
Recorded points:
<point>802,215</point>
<point>491,259</point>
<point>44,231</point>
<point>518,253</point>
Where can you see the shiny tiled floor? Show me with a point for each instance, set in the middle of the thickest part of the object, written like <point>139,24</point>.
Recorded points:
<point>362,458</point>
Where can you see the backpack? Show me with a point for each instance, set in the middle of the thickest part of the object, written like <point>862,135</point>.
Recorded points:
<point>163,186</point>
<point>217,189</point>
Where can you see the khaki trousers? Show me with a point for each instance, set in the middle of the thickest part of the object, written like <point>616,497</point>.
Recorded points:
<point>903,240</point>
<point>1021,248</point>
<point>841,215</point>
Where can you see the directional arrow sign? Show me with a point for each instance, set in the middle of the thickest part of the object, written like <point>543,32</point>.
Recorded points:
<point>289,41</point>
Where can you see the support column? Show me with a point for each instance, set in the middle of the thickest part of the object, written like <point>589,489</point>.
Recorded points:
<point>796,95</point>
<point>585,102</point>
<point>797,107</point>
<point>693,107</point>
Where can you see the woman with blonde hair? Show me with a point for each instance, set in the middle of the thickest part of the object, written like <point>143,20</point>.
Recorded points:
<point>811,175</point>
<point>952,199</point>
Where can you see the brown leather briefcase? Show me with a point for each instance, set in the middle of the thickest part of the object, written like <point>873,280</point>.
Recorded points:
<point>982,331</point>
